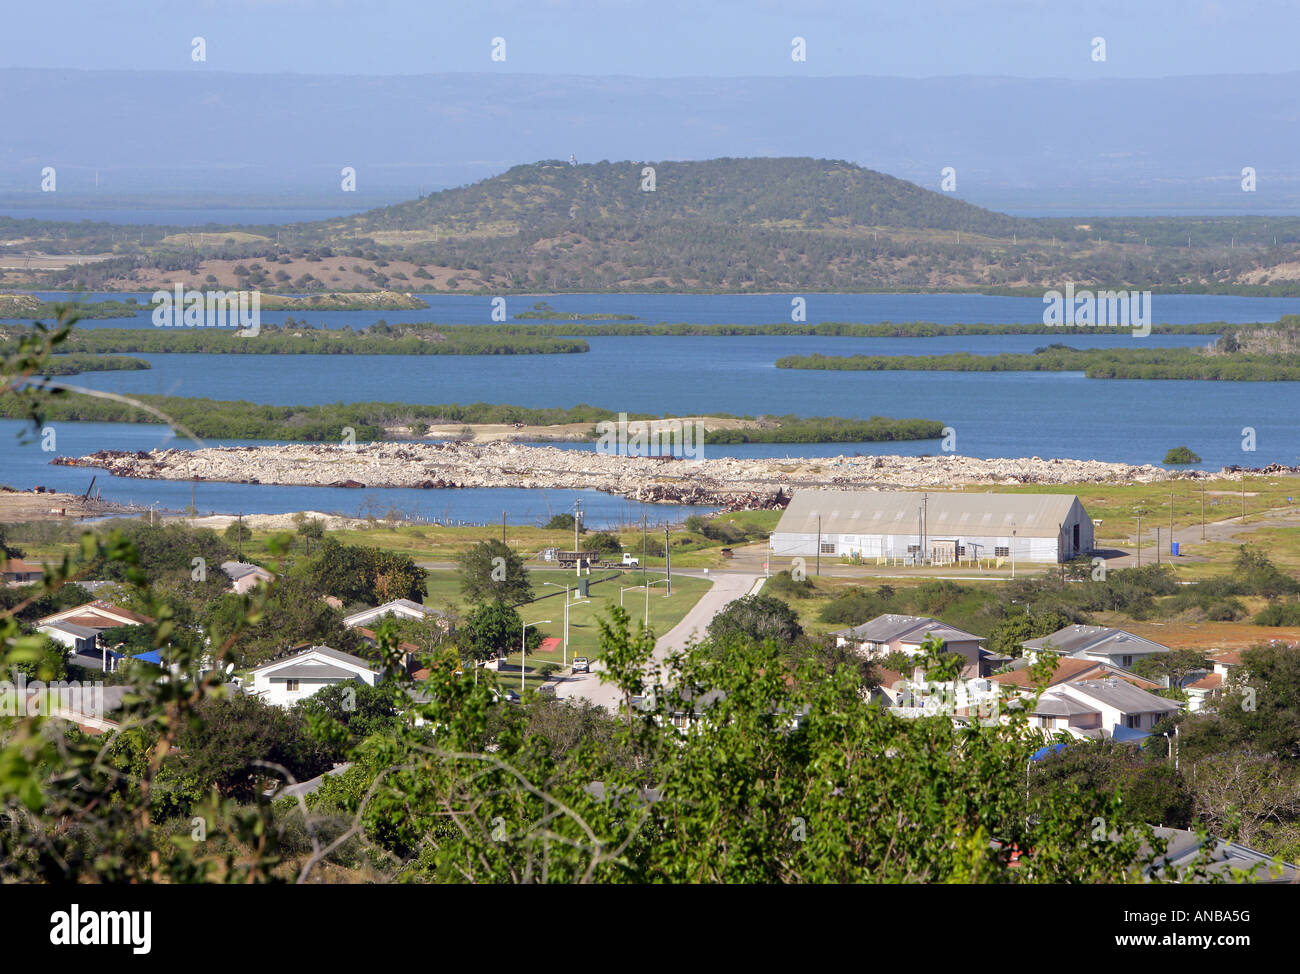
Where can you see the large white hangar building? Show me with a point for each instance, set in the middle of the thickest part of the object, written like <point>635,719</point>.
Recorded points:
<point>939,527</point>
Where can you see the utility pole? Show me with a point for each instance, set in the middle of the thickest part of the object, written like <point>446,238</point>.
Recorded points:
<point>577,521</point>
<point>645,547</point>
<point>503,527</point>
<point>1157,544</point>
<point>668,561</point>
<point>1202,513</point>
<point>1243,496</point>
<point>1171,519</point>
<point>1139,539</point>
<point>240,534</point>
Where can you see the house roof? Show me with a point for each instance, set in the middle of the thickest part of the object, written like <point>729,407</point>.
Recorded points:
<point>1069,669</point>
<point>326,651</point>
<point>1123,696</point>
<point>948,514</point>
<point>886,628</point>
<point>71,628</point>
<point>235,570</point>
<point>312,671</point>
<point>395,606</point>
<point>95,611</point>
<point>16,566</point>
<point>1095,640</point>
<point>1211,681</point>
<point>1059,705</point>
<point>1182,847</point>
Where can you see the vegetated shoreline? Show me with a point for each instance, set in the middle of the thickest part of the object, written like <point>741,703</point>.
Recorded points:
<point>300,339</point>
<point>430,338</point>
<point>1094,363</point>
<point>372,421</point>
<point>726,482</point>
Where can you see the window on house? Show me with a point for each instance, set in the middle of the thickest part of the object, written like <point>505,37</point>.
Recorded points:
<point>1001,552</point>
<point>291,686</point>
<point>679,720</point>
<point>1126,661</point>
<point>961,551</point>
<point>913,549</point>
<point>1133,721</point>
<point>828,547</point>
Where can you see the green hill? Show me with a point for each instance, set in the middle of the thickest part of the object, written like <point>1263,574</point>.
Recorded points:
<point>803,194</point>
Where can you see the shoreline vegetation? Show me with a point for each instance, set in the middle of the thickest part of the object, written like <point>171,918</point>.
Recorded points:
<point>1261,356</point>
<point>378,421</point>
<point>76,363</point>
<point>302,338</point>
<point>298,339</point>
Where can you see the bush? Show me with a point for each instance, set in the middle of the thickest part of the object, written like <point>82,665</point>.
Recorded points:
<point>1181,454</point>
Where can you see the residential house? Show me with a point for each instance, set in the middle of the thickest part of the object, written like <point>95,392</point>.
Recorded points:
<point>1108,645</point>
<point>890,633</point>
<point>15,571</point>
<point>79,628</point>
<point>1222,664</point>
<point>289,679</point>
<point>1111,708</point>
<point>244,576</point>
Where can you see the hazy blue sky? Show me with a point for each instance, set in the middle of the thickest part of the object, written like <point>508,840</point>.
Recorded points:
<point>915,38</point>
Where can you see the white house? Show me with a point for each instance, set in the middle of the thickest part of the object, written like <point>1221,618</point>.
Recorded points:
<point>244,576</point>
<point>285,681</point>
<point>1100,643</point>
<point>1109,708</point>
<point>78,628</point>
<point>891,633</point>
<point>401,608</point>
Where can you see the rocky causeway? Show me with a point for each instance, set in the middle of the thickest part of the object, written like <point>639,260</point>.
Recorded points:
<point>723,481</point>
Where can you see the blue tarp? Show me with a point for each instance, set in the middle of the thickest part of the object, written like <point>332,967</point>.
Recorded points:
<point>1043,752</point>
<point>1123,734</point>
<point>153,656</point>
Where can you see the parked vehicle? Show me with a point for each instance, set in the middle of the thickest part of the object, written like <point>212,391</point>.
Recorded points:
<point>581,664</point>
<point>568,559</point>
<point>630,560</point>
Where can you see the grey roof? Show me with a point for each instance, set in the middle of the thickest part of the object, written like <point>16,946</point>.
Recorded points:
<point>888,627</point>
<point>334,654</point>
<point>388,607</point>
<point>1121,695</point>
<point>1058,705</point>
<point>313,671</point>
<point>1182,847</point>
<point>948,514</point>
<point>72,629</point>
<point>1095,640</point>
<point>236,570</point>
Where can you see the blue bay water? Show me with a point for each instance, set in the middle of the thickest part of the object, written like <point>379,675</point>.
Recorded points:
<point>994,414</point>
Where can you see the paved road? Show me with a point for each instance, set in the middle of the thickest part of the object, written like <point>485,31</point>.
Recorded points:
<point>727,587</point>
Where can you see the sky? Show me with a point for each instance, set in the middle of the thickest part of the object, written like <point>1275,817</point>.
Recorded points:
<point>662,38</point>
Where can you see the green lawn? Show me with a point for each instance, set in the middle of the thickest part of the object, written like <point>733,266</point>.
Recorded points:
<point>604,589</point>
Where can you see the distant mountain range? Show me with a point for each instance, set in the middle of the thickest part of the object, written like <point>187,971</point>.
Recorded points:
<point>1027,146</point>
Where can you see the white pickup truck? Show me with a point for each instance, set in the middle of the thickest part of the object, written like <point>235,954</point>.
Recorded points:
<point>631,561</point>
